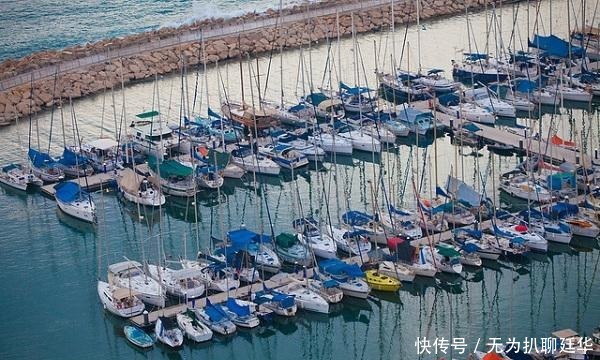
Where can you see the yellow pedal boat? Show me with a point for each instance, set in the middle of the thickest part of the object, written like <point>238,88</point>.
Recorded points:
<point>381,282</point>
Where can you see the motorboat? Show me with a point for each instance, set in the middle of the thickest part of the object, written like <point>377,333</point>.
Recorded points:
<point>193,328</point>
<point>168,332</point>
<point>154,138</point>
<point>331,143</point>
<point>19,177</point>
<point>101,154</point>
<point>129,275</point>
<point>119,301</point>
<point>74,201</point>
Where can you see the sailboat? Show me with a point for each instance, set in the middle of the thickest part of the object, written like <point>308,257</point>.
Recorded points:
<point>19,177</point>
<point>193,328</point>
<point>215,318</point>
<point>139,189</point>
<point>45,167</point>
<point>256,245</point>
<point>281,304</point>
<point>74,165</point>
<point>74,201</point>
<point>291,249</point>
<point>128,274</point>
<point>119,301</point>
<point>174,178</point>
<point>349,276</point>
<point>351,242</point>
<point>167,332</point>
<point>284,155</point>
<point>305,298</point>
<point>240,314</point>
<point>250,162</point>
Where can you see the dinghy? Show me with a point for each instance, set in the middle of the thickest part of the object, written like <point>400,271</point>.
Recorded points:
<point>137,336</point>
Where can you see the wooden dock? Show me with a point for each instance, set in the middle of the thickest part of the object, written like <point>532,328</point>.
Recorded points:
<point>274,282</point>
<point>90,183</point>
<point>514,137</point>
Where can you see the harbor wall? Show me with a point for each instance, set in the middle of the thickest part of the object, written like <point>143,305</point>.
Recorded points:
<point>18,100</point>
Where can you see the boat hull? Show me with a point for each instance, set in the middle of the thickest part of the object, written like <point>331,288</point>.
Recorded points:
<point>78,212</point>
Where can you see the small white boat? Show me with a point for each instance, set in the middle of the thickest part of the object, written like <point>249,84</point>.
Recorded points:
<point>396,271</point>
<point>215,318</point>
<point>73,201</point>
<point>119,301</point>
<point>487,99</point>
<point>138,337</point>
<point>220,278</point>
<point>185,283</point>
<point>167,332</point>
<point>567,93</point>
<point>129,275</point>
<point>444,259</point>
<point>331,143</point>
<point>284,155</point>
<point>193,328</point>
<point>523,187</point>
<point>244,158</point>
<point>450,104</point>
<point>306,299</point>
<point>306,148</point>
<point>19,177</point>
<point>138,189</point>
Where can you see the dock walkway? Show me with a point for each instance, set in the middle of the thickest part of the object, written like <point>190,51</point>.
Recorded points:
<point>90,183</point>
<point>514,137</point>
<point>277,281</point>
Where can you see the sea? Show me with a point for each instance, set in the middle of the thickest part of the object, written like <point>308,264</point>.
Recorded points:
<point>49,263</point>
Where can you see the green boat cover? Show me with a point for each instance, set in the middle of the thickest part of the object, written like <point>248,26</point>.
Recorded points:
<point>447,251</point>
<point>169,168</point>
<point>285,240</point>
<point>147,114</point>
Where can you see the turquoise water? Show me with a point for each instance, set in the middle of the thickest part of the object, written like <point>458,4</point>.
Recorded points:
<point>25,25</point>
<point>50,263</point>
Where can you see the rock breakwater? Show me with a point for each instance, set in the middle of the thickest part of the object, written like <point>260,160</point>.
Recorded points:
<point>153,58</point>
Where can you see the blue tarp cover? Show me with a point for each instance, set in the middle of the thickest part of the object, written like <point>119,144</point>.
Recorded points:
<point>40,158</point>
<point>356,218</point>
<point>562,209</point>
<point>215,313</point>
<point>353,90</point>
<point>68,191</point>
<point>239,310</point>
<point>340,268</point>
<point>242,237</point>
<point>71,158</point>
<point>555,46</point>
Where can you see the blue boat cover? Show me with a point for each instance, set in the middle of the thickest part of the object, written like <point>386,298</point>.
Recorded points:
<point>39,158</point>
<point>211,113</point>
<point>242,237</point>
<point>353,90</point>
<point>316,98</point>
<point>215,313</point>
<point>562,209</point>
<point>439,191</point>
<point>473,233</point>
<point>69,191</point>
<point>71,158</point>
<point>356,218</point>
<point>411,115</point>
<point>555,46</point>
<point>471,127</point>
<point>239,310</point>
<point>328,284</point>
<point>462,191</point>
<point>297,108</point>
<point>340,268</point>
<point>449,100</point>
<point>560,181</point>
<point>471,248</point>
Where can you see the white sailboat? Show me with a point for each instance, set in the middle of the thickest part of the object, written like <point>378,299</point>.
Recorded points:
<point>184,283</point>
<point>19,177</point>
<point>73,201</point>
<point>119,301</point>
<point>139,189</point>
<point>128,274</point>
<point>193,328</point>
<point>305,298</point>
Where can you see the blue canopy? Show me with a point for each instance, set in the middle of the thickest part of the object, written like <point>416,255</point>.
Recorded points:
<point>449,100</point>
<point>71,158</point>
<point>471,127</point>
<point>297,108</point>
<point>316,98</point>
<point>239,310</point>
<point>339,268</point>
<point>354,90</point>
<point>39,158</point>
<point>328,284</point>
<point>562,209</point>
<point>471,248</point>
<point>211,113</point>
<point>525,86</point>
<point>355,233</point>
<point>356,218</point>
<point>471,232</point>
<point>69,191</point>
<point>439,191</point>
<point>435,71</point>
<point>398,211</point>
<point>555,46</point>
<point>411,115</point>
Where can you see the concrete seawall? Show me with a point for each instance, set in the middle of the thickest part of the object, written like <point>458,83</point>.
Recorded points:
<point>86,70</point>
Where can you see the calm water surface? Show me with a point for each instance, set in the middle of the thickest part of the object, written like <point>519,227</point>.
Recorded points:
<point>50,262</point>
